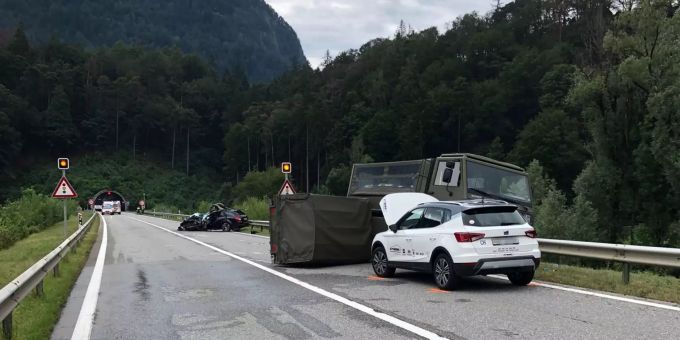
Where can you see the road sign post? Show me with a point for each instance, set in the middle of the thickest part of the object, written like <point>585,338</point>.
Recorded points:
<point>64,189</point>
<point>287,187</point>
<point>63,175</point>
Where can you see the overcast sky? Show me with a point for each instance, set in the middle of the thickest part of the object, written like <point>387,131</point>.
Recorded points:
<point>338,25</point>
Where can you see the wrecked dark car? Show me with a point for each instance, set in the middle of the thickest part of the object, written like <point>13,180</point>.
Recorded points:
<point>219,218</point>
<point>226,220</point>
<point>192,222</point>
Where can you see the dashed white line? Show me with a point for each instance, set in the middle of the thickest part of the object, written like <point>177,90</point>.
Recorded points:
<point>83,328</point>
<point>370,311</point>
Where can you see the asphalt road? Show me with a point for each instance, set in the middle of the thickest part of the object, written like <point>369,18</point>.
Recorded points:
<point>157,285</point>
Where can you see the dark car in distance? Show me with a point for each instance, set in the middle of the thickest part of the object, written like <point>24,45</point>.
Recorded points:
<point>225,220</point>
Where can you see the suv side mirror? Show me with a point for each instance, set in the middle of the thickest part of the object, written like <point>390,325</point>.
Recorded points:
<point>447,175</point>
<point>393,228</point>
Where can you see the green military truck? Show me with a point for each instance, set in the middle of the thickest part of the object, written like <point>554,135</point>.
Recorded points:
<point>456,176</point>
<point>331,229</point>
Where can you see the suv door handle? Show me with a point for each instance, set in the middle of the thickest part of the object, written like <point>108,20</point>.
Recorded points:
<point>433,238</point>
<point>409,239</point>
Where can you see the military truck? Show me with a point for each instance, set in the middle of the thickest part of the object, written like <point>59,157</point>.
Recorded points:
<point>455,176</point>
<point>331,229</point>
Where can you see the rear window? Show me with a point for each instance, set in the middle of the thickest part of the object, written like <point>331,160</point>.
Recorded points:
<point>492,217</point>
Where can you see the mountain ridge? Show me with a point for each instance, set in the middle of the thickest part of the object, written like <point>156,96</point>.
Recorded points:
<point>235,35</point>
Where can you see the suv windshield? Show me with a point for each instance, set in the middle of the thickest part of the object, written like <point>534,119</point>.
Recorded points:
<point>504,184</point>
<point>492,216</point>
<point>384,178</point>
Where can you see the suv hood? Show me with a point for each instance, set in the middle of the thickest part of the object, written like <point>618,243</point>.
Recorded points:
<point>394,206</point>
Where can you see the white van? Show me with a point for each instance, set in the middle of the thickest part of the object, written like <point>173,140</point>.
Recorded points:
<point>107,208</point>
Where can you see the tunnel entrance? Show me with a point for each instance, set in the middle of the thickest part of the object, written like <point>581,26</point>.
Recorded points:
<point>110,195</point>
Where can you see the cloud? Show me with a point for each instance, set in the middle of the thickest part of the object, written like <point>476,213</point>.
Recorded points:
<point>338,25</point>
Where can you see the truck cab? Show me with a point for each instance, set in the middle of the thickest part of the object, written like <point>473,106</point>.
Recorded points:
<point>455,176</point>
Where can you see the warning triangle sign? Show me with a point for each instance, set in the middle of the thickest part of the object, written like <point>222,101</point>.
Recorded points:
<point>64,189</point>
<point>287,188</point>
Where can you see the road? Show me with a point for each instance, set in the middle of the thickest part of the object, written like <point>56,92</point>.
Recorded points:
<point>157,284</point>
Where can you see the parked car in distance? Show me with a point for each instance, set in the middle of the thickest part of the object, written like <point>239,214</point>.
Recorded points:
<point>453,239</point>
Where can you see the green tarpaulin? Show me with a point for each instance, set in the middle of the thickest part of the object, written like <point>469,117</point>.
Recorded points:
<point>322,229</point>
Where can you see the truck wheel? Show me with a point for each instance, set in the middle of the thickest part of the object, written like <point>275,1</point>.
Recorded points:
<point>521,278</point>
<point>380,264</point>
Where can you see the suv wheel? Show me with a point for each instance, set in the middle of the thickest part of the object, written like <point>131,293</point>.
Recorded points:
<point>380,265</point>
<point>442,270</point>
<point>521,278</point>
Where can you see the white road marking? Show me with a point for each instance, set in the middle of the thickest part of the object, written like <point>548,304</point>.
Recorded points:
<point>370,311</point>
<point>601,295</point>
<point>83,328</point>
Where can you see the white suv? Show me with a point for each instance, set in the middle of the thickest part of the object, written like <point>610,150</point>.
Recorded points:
<point>454,239</point>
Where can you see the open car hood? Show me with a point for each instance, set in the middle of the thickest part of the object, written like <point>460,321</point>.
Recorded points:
<point>394,206</point>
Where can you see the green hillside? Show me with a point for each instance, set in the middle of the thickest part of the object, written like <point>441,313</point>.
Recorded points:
<point>245,35</point>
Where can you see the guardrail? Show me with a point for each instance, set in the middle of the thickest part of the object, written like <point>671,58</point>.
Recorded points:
<point>627,254</point>
<point>15,291</point>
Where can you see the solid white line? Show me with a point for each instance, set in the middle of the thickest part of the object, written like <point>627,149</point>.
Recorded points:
<point>601,295</point>
<point>83,327</point>
<point>370,311</point>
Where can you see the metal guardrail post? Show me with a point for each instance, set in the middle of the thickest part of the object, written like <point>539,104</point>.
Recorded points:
<point>39,289</point>
<point>626,273</point>
<point>7,326</point>
<point>55,271</point>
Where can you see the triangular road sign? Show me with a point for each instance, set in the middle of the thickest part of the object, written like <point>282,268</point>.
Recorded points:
<point>287,188</point>
<point>64,189</point>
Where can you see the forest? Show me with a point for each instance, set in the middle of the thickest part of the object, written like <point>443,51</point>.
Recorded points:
<point>583,94</point>
<point>237,35</point>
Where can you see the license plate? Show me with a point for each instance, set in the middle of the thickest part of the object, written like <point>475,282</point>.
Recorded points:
<point>504,241</point>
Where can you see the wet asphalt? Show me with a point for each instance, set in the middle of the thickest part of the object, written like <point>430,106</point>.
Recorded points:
<point>159,286</point>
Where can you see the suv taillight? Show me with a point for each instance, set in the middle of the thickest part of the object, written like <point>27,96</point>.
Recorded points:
<point>468,237</point>
<point>531,233</point>
<point>237,217</point>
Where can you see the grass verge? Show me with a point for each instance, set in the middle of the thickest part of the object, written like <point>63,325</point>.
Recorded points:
<point>642,284</point>
<point>36,316</point>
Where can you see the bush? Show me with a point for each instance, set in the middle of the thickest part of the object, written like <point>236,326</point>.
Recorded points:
<point>258,184</point>
<point>255,208</point>
<point>31,213</point>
